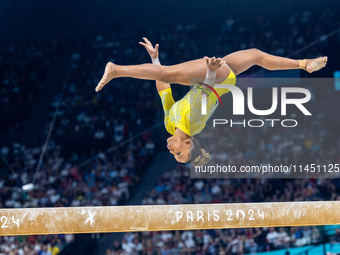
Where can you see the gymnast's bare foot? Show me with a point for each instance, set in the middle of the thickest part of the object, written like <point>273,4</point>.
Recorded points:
<point>315,64</point>
<point>109,74</point>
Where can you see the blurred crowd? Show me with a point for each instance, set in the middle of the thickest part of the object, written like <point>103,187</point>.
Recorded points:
<point>60,182</point>
<point>34,245</point>
<point>127,106</point>
<point>23,70</point>
<point>227,242</point>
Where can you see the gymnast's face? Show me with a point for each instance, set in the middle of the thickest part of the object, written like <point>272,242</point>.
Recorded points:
<point>179,147</point>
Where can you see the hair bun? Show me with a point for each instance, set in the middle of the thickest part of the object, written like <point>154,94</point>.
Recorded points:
<point>202,160</point>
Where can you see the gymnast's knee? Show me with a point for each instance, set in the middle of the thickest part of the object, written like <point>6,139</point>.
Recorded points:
<point>257,56</point>
<point>167,75</point>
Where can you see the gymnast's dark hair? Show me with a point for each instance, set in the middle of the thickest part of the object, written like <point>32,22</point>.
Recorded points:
<point>198,156</point>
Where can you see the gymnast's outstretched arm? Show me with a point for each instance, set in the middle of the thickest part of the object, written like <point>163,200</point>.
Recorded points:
<point>213,64</point>
<point>153,52</point>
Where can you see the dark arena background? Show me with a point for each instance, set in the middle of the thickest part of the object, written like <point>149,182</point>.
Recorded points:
<point>64,145</point>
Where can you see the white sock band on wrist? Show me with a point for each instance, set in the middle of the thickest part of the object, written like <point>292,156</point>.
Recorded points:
<point>155,61</point>
<point>210,77</point>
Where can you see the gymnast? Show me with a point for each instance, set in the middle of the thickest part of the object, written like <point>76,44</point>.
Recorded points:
<point>183,121</point>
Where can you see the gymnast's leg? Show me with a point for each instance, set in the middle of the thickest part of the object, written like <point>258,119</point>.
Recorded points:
<point>242,60</point>
<point>238,61</point>
<point>180,74</point>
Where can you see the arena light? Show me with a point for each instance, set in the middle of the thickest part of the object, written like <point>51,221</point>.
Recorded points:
<point>28,187</point>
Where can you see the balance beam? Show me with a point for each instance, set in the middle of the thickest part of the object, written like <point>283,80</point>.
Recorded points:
<point>58,220</point>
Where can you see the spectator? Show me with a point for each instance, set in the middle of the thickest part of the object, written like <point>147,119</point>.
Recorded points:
<point>271,237</point>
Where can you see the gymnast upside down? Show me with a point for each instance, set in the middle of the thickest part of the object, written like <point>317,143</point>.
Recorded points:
<point>183,121</point>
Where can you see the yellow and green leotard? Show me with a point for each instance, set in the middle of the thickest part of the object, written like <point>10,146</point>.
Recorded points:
<point>185,114</point>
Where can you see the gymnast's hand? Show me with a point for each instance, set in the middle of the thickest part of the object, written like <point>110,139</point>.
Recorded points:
<point>214,63</point>
<point>153,52</point>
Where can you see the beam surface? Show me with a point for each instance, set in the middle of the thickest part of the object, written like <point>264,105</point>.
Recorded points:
<point>57,220</point>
